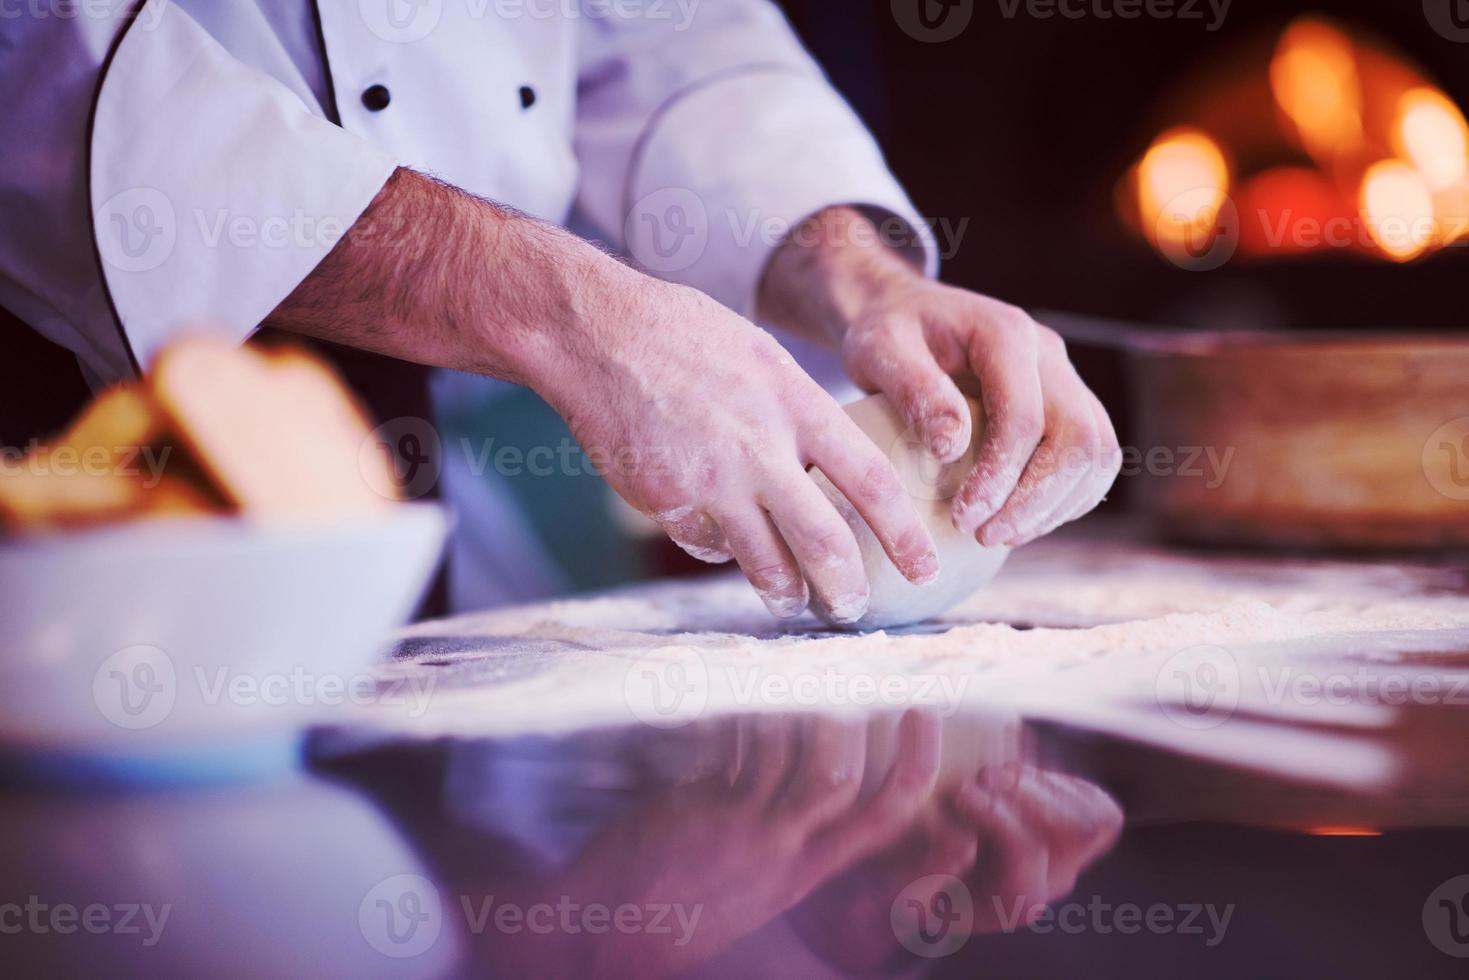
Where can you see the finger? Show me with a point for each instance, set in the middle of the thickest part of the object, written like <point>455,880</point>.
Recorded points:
<point>1045,485</point>
<point>1097,478</point>
<point>768,753</point>
<point>1097,464</point>
<point>950,847</point>
<point>1013,864</point>
<point>1068,820</point>
<point>1066,456</point>
<point>1078,819</point>
<point>1108,467</point>
<point>829,776</point>
<point>883,818</point>
<point>711,765</point>
<point>766,561</point>
<point>927,398</point>
<point>823,545</point>
<point>695,532</point>
<point>854,465</point>
<point>1080,499</point>
<point>1003,359</point>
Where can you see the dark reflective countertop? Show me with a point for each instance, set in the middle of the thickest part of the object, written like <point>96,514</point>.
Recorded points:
<point>1301,833</point>
<point>804,845</point>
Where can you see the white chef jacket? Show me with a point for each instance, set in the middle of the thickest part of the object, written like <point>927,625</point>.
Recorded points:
<point>190,162</point>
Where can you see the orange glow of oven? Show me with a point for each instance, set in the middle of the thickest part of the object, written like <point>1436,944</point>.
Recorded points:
<point>1313,76</point>
<point>1182,181</point>
<point>1344,832</point>
<point>1368,156</point>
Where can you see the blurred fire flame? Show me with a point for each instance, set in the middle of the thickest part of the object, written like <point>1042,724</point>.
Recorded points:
<point>1182,182</point>
<point>1369,156</point>
<point>1398,206</point>
<point>1313,76</point>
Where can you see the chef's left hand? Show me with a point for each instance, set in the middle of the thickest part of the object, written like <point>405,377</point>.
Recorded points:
<point>1049,453</point>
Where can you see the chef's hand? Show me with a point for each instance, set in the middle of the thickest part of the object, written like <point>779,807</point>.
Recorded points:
<point>1049,452</point>
<point>703,421</point>
<point>696,416</point>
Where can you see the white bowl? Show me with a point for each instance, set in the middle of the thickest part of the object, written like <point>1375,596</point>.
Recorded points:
<point>166,634</point>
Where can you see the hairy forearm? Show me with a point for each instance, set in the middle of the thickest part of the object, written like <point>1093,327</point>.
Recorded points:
<point>828,270</point>
<point>707,423</point>
<point>434,275</point>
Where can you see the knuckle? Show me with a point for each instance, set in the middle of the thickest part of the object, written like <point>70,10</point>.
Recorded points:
<point>826,783</point>
<point>1111,453</point>
<point>888,809</point>
<point>667,501</point>
<point>745,444</point>
<point>1049,341</point>
<point>876,481</point>
<point>831,546</point>
<point>1026,425</point>
<point>1082,449</point>
<point>692,487</point>
<point>865,347</point>
<point>1016,323</point>
<point>678,517</point>
<point>929,398</point>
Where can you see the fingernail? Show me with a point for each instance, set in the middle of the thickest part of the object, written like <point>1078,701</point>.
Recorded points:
<point>995,534</point>
<point>848,609</point>
<point>968,519</point>
<point>925,570</point>
<point>784,606</point>
<point>944,438</point>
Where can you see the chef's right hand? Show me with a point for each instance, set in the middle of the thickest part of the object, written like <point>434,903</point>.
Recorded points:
<point>702,420</point>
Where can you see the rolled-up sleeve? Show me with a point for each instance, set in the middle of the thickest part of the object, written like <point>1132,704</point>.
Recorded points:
<point>707,134</point>
<point>215,188</point>
<point>162,183</point>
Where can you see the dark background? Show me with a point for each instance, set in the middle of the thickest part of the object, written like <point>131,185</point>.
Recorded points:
<point>1025,125</point>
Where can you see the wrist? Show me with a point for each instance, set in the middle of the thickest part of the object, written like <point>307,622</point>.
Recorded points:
<point>831,269</point>
<point>564,313</point>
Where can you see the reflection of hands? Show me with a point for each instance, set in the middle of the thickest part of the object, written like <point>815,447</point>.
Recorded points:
<point>741,843</point>
<point>1037,831</point>
<point>1017,837</point>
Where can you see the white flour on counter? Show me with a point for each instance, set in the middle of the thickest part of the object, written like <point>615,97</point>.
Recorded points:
<point>1069,631</point>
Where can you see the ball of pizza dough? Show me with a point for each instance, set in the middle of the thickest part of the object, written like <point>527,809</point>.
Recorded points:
<point>965,565</point>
